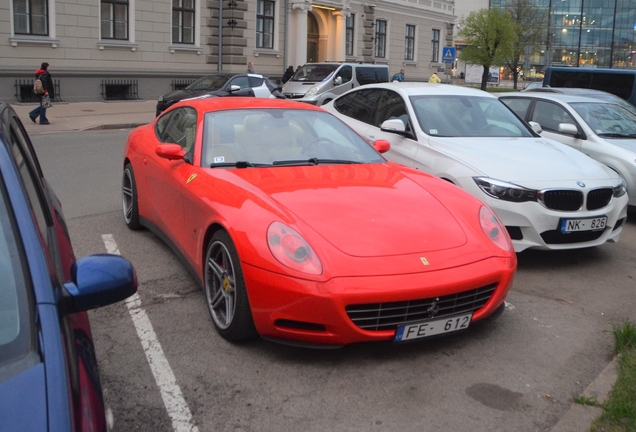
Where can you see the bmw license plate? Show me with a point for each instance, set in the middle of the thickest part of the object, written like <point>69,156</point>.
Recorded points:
<point>588,224</point>
<point>432,328</point>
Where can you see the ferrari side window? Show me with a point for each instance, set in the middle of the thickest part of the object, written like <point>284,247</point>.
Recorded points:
<point>178,127</point>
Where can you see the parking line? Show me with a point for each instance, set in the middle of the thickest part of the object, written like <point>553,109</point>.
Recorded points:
<point>173,400</point>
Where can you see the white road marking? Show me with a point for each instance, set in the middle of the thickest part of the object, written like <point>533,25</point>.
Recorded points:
<point>173,400</point>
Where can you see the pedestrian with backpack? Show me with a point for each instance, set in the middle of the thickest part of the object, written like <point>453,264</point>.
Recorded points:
<point>43,89</point>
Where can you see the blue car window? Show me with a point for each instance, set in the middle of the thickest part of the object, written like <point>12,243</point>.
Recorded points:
<point>17,337</point>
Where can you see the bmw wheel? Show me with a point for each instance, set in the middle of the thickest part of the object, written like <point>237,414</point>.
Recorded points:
<point>129,199</point>
<point>225,291</point>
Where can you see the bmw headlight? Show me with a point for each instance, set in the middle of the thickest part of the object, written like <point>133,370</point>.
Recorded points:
<point>505,191</point>
<point>312,91</point>
<point>620,189</point>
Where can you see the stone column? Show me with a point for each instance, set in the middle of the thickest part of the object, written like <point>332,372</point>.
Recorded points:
<point>298,54</point>
<point>340,39</point>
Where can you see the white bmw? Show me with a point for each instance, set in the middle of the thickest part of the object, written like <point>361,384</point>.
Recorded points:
<point>548,195</point>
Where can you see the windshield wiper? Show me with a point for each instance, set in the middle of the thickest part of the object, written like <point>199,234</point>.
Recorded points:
<point>239,164</point>
<point>616,135</point>
<point>312,161</point>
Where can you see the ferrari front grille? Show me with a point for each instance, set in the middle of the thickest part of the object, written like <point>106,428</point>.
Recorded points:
<point>388,316</point>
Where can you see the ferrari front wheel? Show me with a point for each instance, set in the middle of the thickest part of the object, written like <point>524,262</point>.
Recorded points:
<point>129,199</point>
<point>225,291</point>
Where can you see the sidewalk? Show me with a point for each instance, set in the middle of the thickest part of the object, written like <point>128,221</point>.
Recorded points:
<point>89,115</point>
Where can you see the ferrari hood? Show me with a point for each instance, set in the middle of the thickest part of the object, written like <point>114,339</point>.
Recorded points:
<point>521,160</point>
<point>363,210</point>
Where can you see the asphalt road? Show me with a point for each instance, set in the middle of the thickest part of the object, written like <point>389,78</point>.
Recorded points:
<point>518,373</point>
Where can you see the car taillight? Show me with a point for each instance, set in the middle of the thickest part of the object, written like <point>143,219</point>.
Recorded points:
<point>494,229</point>
<point>291,250</point>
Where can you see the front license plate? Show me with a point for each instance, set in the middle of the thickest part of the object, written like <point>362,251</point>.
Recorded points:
<point>590,224</point>
<point>432,328</point>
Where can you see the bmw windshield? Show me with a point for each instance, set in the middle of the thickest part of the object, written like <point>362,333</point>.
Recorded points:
<point>466,116</point>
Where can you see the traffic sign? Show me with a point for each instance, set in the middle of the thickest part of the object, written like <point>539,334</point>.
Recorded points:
<point>448,54</point>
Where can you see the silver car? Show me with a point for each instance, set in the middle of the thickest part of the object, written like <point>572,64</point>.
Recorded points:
<point>603,130</point>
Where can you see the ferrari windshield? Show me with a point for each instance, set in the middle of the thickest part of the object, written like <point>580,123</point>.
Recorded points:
<point>466,116</point>
<point>315,72</point>
<point>257,137</point>
<point>209,83</point>
<point>607,120</point>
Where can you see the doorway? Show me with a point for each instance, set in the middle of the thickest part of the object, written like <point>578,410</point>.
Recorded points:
<point>313,36</point>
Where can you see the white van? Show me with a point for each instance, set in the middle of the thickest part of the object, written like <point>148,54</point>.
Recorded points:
<point>318,83</point>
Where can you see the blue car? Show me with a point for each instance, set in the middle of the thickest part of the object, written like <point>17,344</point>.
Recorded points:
<point>48,371</point>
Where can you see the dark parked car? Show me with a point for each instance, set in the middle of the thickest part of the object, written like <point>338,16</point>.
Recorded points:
<point>220,85</point>
<point>48,371</point>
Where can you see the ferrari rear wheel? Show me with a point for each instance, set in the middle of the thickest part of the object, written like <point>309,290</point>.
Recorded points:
<point>129,199</point>
<point>225,291</point>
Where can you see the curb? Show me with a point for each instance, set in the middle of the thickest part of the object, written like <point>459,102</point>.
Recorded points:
<point>580,417</point>
<point>115,126</point>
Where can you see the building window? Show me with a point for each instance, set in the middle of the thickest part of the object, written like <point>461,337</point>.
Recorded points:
<point>114,19</point>
<point>349,35</point>
<point>183,21</point>
<point>31,17</point>
<point>409,42</point>
<point>380,38</point>
<point>265,24</point>
<point>435,47</point>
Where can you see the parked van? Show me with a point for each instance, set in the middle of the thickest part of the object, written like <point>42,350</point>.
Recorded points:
<point>621,82</point>
<point>318,83</point>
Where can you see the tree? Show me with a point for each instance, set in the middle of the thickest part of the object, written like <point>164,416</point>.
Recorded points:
<point>490,35</point>
<point>530,22</point>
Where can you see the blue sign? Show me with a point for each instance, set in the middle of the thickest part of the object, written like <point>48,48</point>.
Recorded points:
<point>448,54</point>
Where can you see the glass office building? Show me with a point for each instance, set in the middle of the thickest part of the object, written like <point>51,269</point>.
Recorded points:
<point>588,33</point>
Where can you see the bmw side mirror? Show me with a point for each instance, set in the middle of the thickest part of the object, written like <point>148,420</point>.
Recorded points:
<point>393,125</point>
<point>536,127</point>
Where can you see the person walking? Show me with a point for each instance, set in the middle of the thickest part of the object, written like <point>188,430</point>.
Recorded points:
<point>434,79</point>
<point>44,76</point>
<point>399,77</point>
<point>288,74</point>
<point>250,68</point>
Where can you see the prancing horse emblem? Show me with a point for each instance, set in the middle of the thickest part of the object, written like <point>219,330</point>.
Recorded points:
<point>424,261</point>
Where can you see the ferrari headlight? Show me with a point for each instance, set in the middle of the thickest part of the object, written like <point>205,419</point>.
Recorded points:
<point>312,91</point>
<point>494,229</point>
<point>620,189</point>
<point>291,250</point>
<point>505,191</point>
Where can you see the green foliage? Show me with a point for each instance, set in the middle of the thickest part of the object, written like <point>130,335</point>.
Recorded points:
<point>490,35</point>
<point>619,411</point>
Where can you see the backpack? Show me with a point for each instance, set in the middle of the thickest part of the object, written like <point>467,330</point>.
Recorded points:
<point>38,89</point>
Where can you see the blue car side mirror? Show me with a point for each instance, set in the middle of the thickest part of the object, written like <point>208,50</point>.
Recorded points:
<point>99,280</point>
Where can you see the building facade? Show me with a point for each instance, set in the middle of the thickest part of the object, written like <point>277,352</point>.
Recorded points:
<point>587,33</point>
<point>141,49</point>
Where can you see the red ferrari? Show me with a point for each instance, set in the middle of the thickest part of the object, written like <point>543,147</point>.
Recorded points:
<point>301,232</point>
